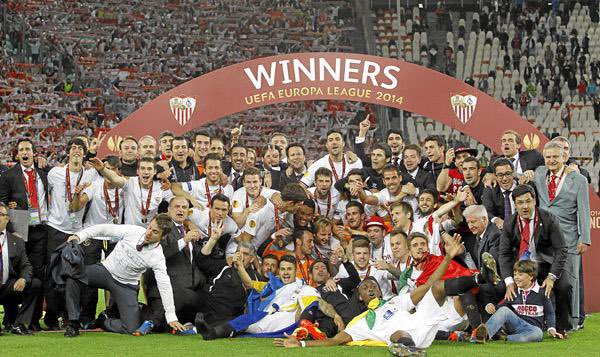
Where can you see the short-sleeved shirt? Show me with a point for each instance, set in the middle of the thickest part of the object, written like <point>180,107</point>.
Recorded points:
<point>326,206</point>
<point>202,221</point>
<point>134,195</point>
<point>241,200</point>
<point>337,167</point>
<point>197,189</point>
<point>99,211</point>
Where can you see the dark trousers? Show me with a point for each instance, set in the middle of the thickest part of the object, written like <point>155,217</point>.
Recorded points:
<point>216,311</point>
<point>489,294</point>
<point>562,296</point>
<point>54,300</point>
<point>36,253</point>
<point>187,304</point>
<point>124,295</point>
<point>581,294</point>
<point>92,249</point>
<point>13,313</point>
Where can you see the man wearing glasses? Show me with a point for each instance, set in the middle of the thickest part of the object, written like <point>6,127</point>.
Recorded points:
<point>497,200</point>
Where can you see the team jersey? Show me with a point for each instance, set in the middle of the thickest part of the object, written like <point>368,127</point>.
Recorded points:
<point>326,206</point>
<point>339,169</point>
<point>137,197</point>
<point>198,189</point>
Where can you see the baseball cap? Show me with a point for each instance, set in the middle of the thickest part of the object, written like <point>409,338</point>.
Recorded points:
<point>376,221</point>
<point>461,147</point>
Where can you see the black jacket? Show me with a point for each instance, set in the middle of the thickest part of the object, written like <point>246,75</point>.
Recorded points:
<point>12,186</point>
<point>18,263</point>
<point>528,160</point>
<point>549,243</point>
<point>490,243</point>
<point>423,180</point>
<point>66,262</point>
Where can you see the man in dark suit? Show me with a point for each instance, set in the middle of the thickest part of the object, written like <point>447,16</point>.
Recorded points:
<point>17,285</point>
<point>179,249</point>
<point>534,233</point>
<point>233,169</point>
<point>482,243</point>
<point>394,140</point>
<point>25,187</point>
<point>497,200</point>
<point>510,144</point>
<point>295,170</point>
<point>411,156</point>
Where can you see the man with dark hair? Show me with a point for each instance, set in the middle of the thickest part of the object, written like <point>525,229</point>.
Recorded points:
<point>351,189</point>
<point>295,170</point>
<point>435,146</point>
<point>411,156</point>
<point>233,169</point>
<point>497,200</point>
<point>25,187</point>
<point>394,141</point>
<point>17,284</point>
<point>451,179</point>
<point>251,197</point>
<point>137,250</point>
<point>335,160</point>
<point>325,195</point>
<point>183,168</point>
<point>64,184</point>
<point>128,153</point>
<point>534,233</point>
<point>394,191</point>
<point>471,170</point>
<point>217,146</point>
<point>522,160</point>
<point>201,144</point>
<point>164,145</point>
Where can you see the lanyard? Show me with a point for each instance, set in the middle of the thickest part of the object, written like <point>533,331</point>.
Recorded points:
<point>382,251</point>
<point>248,197</point>
<point>549,178</point>
<point>522,226</point>
<point>209,229</point>
<point>328,204</point>
<point>112,210</point>
<point>337,178</point>
<point>68,182</point>
<point>304,269</point>
<point>144,210</point>
<point>207,192</point>
<point>277,223</point>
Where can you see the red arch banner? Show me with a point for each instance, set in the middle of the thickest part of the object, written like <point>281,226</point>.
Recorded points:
<point>341,76</point>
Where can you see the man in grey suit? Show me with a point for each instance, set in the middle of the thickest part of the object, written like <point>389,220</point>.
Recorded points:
<point>564,193</point>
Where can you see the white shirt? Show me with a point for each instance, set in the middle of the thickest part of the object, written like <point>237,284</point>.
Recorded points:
<point>60,218</point>
<point>133,198</point>
<point>4,257</point>
<point>41,193</point>
<point>309,177</point>
<point>198,190</point>
<point>516,164</point>
<point>324,252</point>
<point>323,208</point>
<point>98,212</point>
<point>384,252</point>
<point>379,275</point>
<point>126,265</point>
<point>202,221</point>
<point>421,225</point>
<point>384,197</point>
<point>240,200</point>
<point>261,225</point>
<point>340,211</point>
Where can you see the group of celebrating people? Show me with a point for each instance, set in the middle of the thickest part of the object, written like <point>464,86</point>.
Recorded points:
<point>396,247</point>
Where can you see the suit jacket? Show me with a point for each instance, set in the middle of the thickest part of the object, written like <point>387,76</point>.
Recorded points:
<point>19,266</point>
<point>490,242</point>
<point>528,160</point>
<point>422,180</point>
<point>493,200</point>
<point>183,273</point>
<point>226,167</point>
<point>571,206</point>
<point>12,186</point>
<point>547,236</point>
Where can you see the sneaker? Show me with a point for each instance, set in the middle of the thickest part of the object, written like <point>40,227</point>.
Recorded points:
<point>72,331</point>
<point>144,329</point>
<point>490,263</point>
<point>300,334</point>
<point>203,328</point>
<point>458,336</point>
<point>190,329</point>
<point>480,334</point>
<point>398,349</point>
<point>20,330</point>
<point>313,330</point>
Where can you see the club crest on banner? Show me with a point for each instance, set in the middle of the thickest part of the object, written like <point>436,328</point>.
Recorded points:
<point>182,108</point>
<point>463,106</point>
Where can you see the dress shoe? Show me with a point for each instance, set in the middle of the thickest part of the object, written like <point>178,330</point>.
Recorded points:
<point>72,331</point>
<point>20,329</point>
<point>35,328</point>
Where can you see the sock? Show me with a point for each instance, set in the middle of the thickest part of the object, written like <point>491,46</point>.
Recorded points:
<point>457,286</point>
<point>406,341</point>
<point>469,305</point>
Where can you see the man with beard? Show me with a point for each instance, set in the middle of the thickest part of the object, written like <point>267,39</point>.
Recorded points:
<point>451,179</point>
<point>303,249</point>
<point>497,200</point>
<point>147,147</point>
<point>380,241</point>
<point>361,261</point>
<point>205,188</point>
<point>128,153</point>
<point>473,183</point>
<point>392,322</point>
<point>335,160</point>
<point>430,222</point>
<point>282,245</point>
<point>394,190</point>
<point>281,313</point>
<point>234,169</point>
<point>434,146</point>
<point>200,143</point>
<point>183,168</point>
<point>400,258</point>
<point>402,216</point>
<point>25,187</point>
<point>63,183</point>
<point>325,195</point>
<point>251,197</point>
<point>295,170</point>
<point>355,221</point>
<point>411,156</point>
<point>217,147</point>
<point>351,191</point>
<point>388,155</point>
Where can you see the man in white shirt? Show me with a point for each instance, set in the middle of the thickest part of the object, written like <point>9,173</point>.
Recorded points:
<point>393,191</point>
<point>325,195</point>
<point>205,188</point>
<point>335,160</point>
<point>63,220</point>
<point>250,198</point>
<point>380,242</point>
<point>138,249</point>
<point>141,194</point>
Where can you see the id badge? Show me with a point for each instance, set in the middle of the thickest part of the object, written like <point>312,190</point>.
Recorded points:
<point>34,217</point>
<point>73,218</point>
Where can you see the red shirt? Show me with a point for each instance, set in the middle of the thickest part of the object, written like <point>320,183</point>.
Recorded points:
<point>457,180</point>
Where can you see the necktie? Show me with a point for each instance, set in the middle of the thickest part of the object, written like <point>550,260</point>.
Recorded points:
<point>236,177</point>
<point>32,188</point>
<point>525,236</point>
<point>552,188</point>
<point>396,161</point>
<point>186,247</point>
<point>139,247</point>
<point>507,206</point>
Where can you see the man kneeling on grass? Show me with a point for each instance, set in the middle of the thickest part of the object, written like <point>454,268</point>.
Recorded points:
<point>391,321</point>
<point>137,249</point>
<point>522,318</point>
